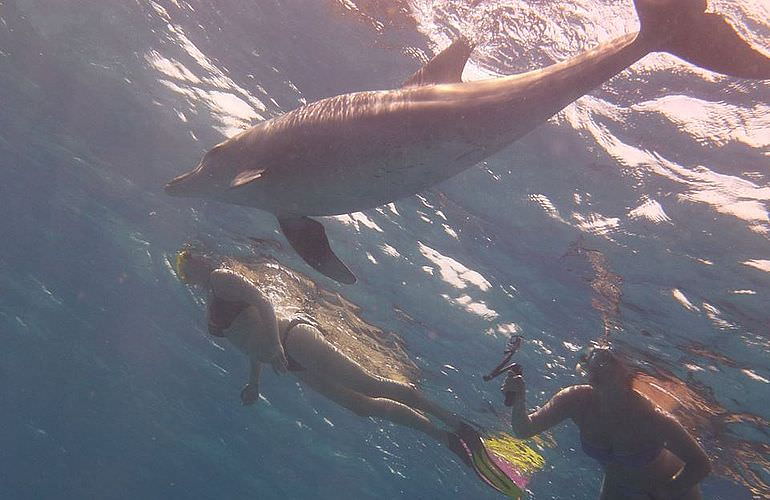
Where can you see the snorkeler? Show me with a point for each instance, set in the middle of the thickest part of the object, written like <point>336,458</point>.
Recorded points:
<point>241,313</point>
<point>645,452</point>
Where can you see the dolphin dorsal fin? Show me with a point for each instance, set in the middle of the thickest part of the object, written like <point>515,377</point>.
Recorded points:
<point>246,177</point>
<point>445,67</point>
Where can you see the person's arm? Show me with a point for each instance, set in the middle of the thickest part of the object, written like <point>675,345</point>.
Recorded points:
<point>250,392</point>
<point>563,405</point>
<point>229,285</point>
<point>679,442</point>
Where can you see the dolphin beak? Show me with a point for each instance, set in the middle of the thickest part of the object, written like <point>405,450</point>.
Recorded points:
<point>177,186</point>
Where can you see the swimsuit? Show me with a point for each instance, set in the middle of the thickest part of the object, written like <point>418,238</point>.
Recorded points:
<point>291,364</point>
<point>606,456</point>
<point>222,313</point>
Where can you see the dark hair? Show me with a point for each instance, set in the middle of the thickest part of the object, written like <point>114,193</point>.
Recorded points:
<point>612,355</point>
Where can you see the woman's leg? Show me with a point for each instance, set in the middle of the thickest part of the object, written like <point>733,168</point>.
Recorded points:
<point>308,347</point>
<point>365,406</point>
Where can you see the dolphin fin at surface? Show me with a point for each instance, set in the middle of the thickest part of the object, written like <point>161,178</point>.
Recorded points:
<point>246,177</point>
<point>308,238</point>
<point>445,67</point>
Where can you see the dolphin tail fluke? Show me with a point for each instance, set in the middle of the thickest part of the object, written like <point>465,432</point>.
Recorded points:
<point>684,29</point>
<point>308,238</point>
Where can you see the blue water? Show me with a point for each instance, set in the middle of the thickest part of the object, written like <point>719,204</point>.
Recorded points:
<point>639,213</point>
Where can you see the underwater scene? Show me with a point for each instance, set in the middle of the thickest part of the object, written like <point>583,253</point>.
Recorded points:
<point>377,249</point>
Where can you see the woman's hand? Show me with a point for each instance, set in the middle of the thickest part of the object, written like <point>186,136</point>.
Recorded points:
<point>249,394</point>
<point>514,384</point>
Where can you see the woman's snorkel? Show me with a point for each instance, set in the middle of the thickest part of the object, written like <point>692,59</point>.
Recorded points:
<point>180,262</point>
<point>506,366</point>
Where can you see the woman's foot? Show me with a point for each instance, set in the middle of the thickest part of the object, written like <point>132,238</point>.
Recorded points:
<point>466,443</point>
<point>483,464</point>
<point>458,448</point>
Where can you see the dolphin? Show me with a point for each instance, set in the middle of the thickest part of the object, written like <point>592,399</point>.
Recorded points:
<point>357,151</point>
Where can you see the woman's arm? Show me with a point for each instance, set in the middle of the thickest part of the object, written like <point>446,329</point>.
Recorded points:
<point>683,445</point>
<point>250,392</point>
<point>229,285</point>
<point>564,404</point>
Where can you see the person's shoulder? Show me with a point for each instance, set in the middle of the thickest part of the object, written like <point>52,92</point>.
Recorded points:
<point>583,389</point>
<point>573,400</point>
<point>647,405</point>
<point>231,285</point>
<point>226,276</point>
<point>581,393</point>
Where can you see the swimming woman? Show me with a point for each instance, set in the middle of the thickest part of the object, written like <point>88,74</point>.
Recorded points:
<point>241,313</point>
<point>645,453</point>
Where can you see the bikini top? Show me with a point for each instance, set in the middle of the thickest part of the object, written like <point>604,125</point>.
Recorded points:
<point>607,456</point>
<point>222,313</point>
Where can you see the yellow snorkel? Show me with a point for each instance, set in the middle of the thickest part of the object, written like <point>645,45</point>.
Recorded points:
<point>180,262</point>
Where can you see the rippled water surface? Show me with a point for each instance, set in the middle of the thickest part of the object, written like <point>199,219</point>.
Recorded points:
<point>639,213</point>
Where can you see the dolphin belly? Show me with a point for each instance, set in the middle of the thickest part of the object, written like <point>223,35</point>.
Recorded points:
<point>367,179</point>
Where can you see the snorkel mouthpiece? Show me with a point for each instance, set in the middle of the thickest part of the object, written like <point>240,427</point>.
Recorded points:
<point>596,355</point>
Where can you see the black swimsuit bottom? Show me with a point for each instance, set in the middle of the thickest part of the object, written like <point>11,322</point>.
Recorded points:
<point>222,313</point>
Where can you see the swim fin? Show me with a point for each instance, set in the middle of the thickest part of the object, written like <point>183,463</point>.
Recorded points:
<point>483,464</point>
<point>458,448</point>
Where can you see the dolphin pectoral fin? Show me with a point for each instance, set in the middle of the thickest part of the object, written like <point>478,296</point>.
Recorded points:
<point>308,238</point>
<point>246,177</point>
<point>445,67</point>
